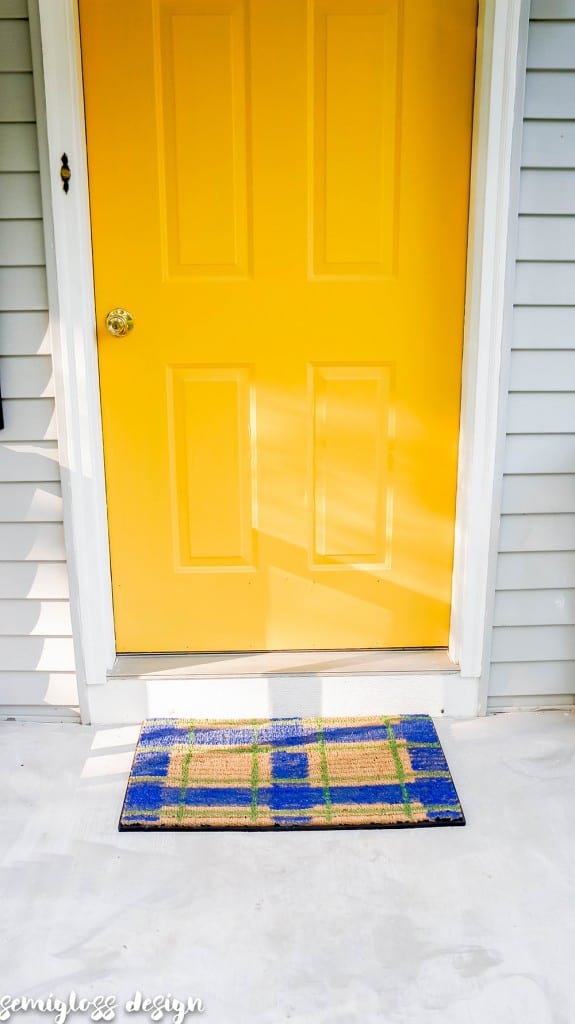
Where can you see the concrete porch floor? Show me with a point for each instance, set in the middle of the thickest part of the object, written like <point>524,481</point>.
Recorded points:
<point>431,926</point>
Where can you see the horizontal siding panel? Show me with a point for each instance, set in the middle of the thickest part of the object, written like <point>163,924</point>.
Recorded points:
<point>57,689</point>
<point>20,196</point>
<point>551,45</point>
<point>35,618</point>
<point>547,570</point>
<point>535,608</point>
<point>550,94</point>
<point>13,8</point>
<point>28,462</point>
<point>540,453</point>
<point>17,98</point>
<point>24,333</point>
<point>15,51</point>
<point>34,580</point>
<point>32,542</point>
<point>29,653</point>
<point>23,288</point>
<point>543,284</point>
<point>29,419</point>
<point>546,238</point>
<point>543,371</point>
<point>31,503</point>
<point>548,144</point>
<point>26,377</point>
<point>538,494</point>
<point>542,414</point>
<point>18,147</point>
<point>538,677</point>
<point>547,192</point>
<point>549,9</point>
<point>533,643</point>
<point>22,243</point>
<point>541,327</point>
<point>537,533</point>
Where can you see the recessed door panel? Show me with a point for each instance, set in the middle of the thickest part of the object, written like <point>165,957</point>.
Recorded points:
<point>356,87</point>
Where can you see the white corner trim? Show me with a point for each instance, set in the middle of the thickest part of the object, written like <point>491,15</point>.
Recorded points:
<point>505,362</point>
<point>500,65</point>
<point>501,60</point>
<point>73,336</point>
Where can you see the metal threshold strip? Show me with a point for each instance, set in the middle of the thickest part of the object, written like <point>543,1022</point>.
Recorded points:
<point>282,663</point>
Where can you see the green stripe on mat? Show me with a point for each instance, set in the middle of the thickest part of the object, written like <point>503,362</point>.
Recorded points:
<point>398,767</point>
<point>265,748</point>
<point>324,769</point>
<point>186,773</point>
<point>335,780</point>
<point>227,812</point>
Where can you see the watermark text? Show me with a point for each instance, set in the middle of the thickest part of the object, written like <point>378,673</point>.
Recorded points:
<point>101,1008</point>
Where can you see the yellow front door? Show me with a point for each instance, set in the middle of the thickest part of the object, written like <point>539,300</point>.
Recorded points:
<point>279,195</point>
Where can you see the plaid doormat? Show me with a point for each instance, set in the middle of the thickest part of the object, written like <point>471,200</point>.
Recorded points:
<point>297,773</point>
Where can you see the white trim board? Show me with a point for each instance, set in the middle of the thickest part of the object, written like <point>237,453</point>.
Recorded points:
<point>40,713</point>
<point>73,338</point>
<point>547,702</point>
<point>498,119</point>
<point>498,98</point>
<point>123,701</point>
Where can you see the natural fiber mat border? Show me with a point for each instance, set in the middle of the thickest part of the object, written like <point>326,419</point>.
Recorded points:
<point>289,773</point>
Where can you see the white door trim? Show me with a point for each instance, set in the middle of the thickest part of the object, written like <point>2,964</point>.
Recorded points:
<point>501,62</point>
<point>57,73</point>
<point>497,133</point>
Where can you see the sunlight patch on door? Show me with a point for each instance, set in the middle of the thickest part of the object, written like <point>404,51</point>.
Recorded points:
<point>352,421</point>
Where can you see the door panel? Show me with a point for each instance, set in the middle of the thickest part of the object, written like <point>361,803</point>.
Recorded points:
<point>202,69</point>
<point>279,194</point>
<point>353,116</point>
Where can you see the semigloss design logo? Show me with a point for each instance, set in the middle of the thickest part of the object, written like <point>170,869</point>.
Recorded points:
<point>102,1007</point>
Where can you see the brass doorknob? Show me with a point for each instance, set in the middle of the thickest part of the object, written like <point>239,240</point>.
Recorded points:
<point>119,322</point>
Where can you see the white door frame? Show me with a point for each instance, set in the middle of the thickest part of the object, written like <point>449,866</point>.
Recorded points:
<point>500,74</point>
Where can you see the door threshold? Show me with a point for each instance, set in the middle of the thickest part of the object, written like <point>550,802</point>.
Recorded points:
<point>282,684</point>
<point>281,663</point>
<point>300,684</point>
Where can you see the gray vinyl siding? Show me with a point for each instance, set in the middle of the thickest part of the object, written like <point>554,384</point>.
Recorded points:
<point>36,652</point>
<point>533,642</point>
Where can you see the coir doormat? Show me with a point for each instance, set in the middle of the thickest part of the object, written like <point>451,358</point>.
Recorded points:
<point>297,773</point>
